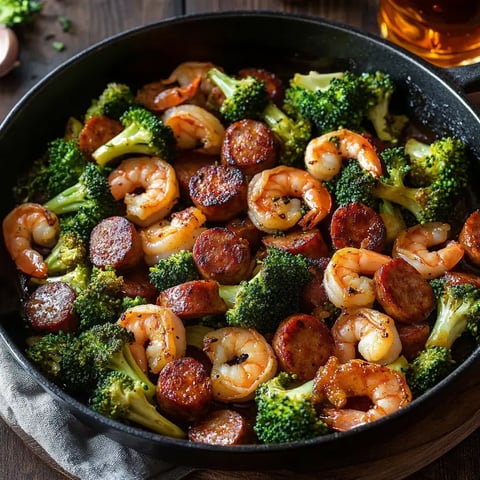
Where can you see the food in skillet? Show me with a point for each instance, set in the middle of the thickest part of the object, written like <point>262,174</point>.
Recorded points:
<point>245,259</point>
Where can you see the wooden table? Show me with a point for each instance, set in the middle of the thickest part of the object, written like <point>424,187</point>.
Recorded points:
<point>94,20</point>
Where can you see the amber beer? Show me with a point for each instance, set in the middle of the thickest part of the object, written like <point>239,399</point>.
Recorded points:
<point>445,32</point>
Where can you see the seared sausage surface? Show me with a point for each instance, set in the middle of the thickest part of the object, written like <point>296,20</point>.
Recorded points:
<point>302,344</point>
<point>249,145</point>
<point>115,241</point>
<point>96,132</point>
<point>50,308</point>
<point>245,228</point>
<point>403,292</point>
<point>413,337</point>
<point>469,237</point>
<point>309,243</point>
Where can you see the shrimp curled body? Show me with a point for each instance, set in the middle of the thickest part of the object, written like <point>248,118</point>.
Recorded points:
<point>27,225</point>
<point>160,329</point>
<point>241,360</point>
<point>166,237</point>
<point>412,245</point>
<point>344,285</point>
<point>324,154</point>
<point>158,182</point>
<point>387,390</point>
<point>275,199</point>
<point>371,331</point>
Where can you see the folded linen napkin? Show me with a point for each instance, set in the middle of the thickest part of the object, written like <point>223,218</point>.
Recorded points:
<point>75,447</point>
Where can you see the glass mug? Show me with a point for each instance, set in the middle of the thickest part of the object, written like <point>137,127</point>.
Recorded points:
<point>444,32</point>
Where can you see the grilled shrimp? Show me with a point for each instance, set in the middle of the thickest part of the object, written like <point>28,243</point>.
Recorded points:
<point>324,154</point>
<point>241,360</point>
<point>160,329</point>
<point>344,285</point>
<point>412,245</point>
<point>195,128</point>
<point>158,182</point>
<point>24,227</point>
<point>387,390</point>
<point>168,236</point>
<point>275,199</point>
<point>372,332</point>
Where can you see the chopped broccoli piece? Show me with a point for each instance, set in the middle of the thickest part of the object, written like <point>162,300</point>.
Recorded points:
<point>244,97</point>
<point>69,251</point>
<point>16,12</point>
<point>121,398</point>
<point>285,412</point>
<point>143,133</point>
<point>274,292</point>
<point>78,278</point>
<point>113,102</point>
<point>177,268</point>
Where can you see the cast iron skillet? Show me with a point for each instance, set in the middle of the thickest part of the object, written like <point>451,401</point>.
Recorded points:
<point>276,41</point>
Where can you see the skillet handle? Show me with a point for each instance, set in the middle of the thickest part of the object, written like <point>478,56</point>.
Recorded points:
<point>467,78</point>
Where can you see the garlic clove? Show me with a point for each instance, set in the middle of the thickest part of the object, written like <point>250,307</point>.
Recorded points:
<point>9,50</point>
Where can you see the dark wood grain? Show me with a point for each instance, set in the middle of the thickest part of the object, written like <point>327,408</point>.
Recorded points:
<point>94,20</point>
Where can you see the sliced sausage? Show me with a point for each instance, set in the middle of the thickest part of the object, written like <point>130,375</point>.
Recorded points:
<point>137,284</point>
<point>302,344</point>
<point>221,427</point>
<point>184,389</point>
<point>223,256</point>
<point>469,237</point>
<point>49,308</point>
<point>219,191</point>
<point>96,132</point>
<point>459,278</point>
<point>193,299</point>
<point>357,225</point>
<point>272,82</point>
<point>249,145</point>
<point>314,294</point>
<point>115,241</point>
<point>245,228</point>
<point>309,243</point>
<point>413,337</point>
<point>403,292</point>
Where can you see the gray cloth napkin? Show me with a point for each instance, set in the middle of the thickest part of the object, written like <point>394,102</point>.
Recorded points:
<point>72,445</point>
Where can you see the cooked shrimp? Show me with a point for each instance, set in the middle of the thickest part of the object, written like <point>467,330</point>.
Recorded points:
<point>173,96</point>
<point>185,73</point>
<point>195,128</point>
<point>160,329</point>
<point>324,154</point>
<point>241,360</point>
<point>24,227</point>
<point>168,236</point>
<point>412,245</point>
<point>372,332</point>
<point>158,182</point>
<point>344,285</point>
<point>276,196</point>
<point>335,383</point>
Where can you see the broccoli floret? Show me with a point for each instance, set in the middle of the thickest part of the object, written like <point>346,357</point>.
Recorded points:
<point>292,131</point>
<point>121,398</point>
<point>16,12</point>
<point>380,87</point>
<point>428,368</point>
<point>177,268</point>
<point>113,102</point>
<point>285,412</point>
<point>342,103</point>
<point>101,301</point>
<point>458,312</point>
<point>353,184</point>
<point>129,302</point>
<point>274,292</point>
<point>78,278</point>
<point>143,133</point>
<point>244,97</point>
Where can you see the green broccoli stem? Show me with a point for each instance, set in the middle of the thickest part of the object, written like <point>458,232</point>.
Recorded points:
<point>223,81</point>
<point>407,197</point>
<point>68,201</point>
<point>316,81</point>
<point>228,293</point>
<point>277,120</point>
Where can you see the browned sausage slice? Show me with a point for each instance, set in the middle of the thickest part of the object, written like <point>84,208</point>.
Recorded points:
<point>309,243</point>
<point>223,256</point>
<point>357,225</point>
<point>219,191</point>
<point>184,389</point>
<point>413,337</point>
<point>245,228</point>
<point>249,145</point>
<point>115,241</point>
<point>221,427</point>
<point>302,344</point>
<point>469,237</point>
<point>402,292</point>
<point>96,132</point>
<point>193,299</point>
<point>137,284</point>
<point>50,308</point>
